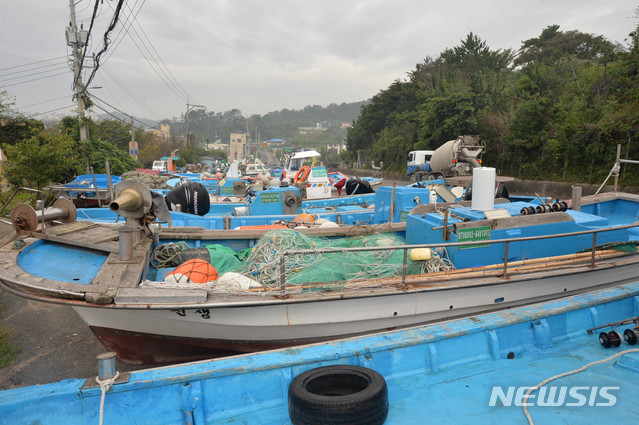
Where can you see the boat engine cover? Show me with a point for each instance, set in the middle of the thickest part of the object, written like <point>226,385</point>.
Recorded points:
<point>192,196</point>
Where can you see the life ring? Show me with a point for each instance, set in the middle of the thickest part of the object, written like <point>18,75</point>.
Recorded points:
<point>341,394</point>
<point>302,174</point>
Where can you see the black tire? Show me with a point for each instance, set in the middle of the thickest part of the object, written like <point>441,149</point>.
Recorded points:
<point>338,395</point>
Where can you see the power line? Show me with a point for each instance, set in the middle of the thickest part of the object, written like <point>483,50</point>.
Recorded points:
<point>53,110</point>
<point>33,63</point>
<point>114,21</point>
<point>122,31</point>
<point>40,103</point>
<point>173,80</point>
<point>163,72</point>
<point>122,112</point>
<point>35,79</point>
<point>31,69</point>
<point>163,78</point>
<point>130,93</point>
<point>84,51</point>
<point>35,73</point>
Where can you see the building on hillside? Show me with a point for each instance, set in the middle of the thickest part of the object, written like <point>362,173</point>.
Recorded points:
<point>219,146</point>
<point>238,146</point>
<point>163,134</point>
<point>277,143</point>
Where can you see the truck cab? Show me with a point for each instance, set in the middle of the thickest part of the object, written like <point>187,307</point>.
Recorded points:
<point>418,164</point>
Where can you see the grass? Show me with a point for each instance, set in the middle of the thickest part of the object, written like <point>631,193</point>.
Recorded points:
<point>8,351</point>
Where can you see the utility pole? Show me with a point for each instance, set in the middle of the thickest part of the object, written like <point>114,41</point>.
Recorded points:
<point>133,145</point>
<point>77,40</point>
<point>186,117</point>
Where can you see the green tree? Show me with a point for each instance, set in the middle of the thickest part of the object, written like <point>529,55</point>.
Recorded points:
<point>45,157</point>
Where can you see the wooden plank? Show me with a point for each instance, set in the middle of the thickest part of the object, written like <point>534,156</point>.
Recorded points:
<point>160,296</point>
<point>70,228</point>
<point>313,231</point>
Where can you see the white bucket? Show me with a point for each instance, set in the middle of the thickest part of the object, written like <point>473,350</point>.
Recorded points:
<point>483,196</point>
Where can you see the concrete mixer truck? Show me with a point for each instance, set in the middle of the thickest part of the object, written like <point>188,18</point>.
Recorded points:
<point>454,158</point>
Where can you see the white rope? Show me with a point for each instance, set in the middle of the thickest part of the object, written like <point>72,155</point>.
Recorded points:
<point>572,372</point>
<point>105,386</point>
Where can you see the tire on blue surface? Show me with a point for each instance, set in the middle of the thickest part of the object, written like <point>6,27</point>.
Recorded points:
<point>338,395</point>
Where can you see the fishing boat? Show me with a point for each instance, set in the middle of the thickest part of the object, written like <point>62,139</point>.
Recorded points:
<point>88,190</point>
<point>538,364</point>
<point>450,260</point>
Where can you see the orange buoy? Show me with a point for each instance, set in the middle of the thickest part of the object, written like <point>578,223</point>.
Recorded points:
<point>303,218</point>
<point>192,271</point>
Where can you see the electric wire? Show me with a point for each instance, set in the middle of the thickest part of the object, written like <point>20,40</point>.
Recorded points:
<point>121,32</point>
<point>52,110</point>
<point>154,68</point>
<point>84,51</point>
<point>40,103</point>
<point>122,112</point>
<point>173,80</point>
<point>34,79</point>
<point>130,93</point>
<point>32,69</point>
<point>33,63</point>
<point>106,41</point>
<point>163,72</point>
<point>35,73</point>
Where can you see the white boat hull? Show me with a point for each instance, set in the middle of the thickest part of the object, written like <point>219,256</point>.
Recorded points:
<point>218,329</point>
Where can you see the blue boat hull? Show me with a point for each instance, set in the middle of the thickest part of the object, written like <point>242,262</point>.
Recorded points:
<point>456,372</point>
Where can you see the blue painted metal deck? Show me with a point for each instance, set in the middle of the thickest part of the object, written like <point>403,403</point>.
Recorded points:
<point>442,373</point>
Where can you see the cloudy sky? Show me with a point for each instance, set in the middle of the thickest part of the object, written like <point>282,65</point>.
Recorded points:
<point>260,56</point>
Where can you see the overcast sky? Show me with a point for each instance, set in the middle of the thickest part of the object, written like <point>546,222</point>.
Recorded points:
<point>260,56</point>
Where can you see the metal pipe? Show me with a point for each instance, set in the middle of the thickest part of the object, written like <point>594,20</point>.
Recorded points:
<point>506,259</point>
<point>404,267</point>
<point>129,200</point>
<point>106,365</point>
<point>126,243</point>
<point>97,192</point>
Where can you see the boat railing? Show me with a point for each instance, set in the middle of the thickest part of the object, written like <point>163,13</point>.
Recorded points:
<point>406,248</point>
<point>32,198</point>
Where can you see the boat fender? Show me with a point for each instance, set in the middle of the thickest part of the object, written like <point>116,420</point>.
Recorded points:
<point>302,174</point>
<point>321,221</point>
<point>329,224</point>
<point>236,281</point>
<point>195,271</point>
<point>339,394</point>
<point>420,254</point>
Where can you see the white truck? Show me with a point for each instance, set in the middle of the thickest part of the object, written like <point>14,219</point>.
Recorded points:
<point>454,158</point>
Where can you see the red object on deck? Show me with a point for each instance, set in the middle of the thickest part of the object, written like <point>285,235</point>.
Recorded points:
<point>339,185</point>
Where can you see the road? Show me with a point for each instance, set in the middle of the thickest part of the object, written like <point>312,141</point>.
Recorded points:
<point>54,343</point>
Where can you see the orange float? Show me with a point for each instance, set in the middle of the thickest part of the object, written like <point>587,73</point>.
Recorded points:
<point>192,271</point>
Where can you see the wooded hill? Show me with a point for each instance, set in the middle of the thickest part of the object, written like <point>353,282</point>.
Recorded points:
<point>555,109</point>
<point>284,124</point>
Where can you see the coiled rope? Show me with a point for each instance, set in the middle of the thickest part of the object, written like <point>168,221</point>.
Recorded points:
<point>163,255</point>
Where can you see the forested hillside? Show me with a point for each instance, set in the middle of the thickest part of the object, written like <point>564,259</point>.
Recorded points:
<point>282,124</point>
<point>554,109</point>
